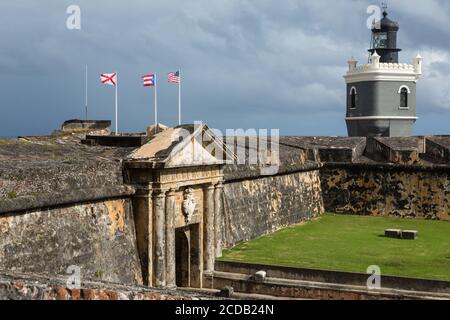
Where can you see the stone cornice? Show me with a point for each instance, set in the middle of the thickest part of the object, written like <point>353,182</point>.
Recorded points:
<point>381,118</point>
<point>379,71</point>
<point>64,198</point>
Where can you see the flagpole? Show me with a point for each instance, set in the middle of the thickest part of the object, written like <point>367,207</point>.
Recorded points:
<point>179,97</point>
<point>156,107</point>
<point>86,83</point>
<point>117,84</point>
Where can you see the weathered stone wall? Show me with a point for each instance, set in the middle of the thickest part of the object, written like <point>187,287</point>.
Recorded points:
<point>402,191</point>
<point>37,287</point>
<point>97,236</point>
<point>254,207</point>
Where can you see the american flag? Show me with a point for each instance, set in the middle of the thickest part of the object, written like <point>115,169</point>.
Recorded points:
<point>174,77</point>
<point>109,78</point>
<point>149,80</point>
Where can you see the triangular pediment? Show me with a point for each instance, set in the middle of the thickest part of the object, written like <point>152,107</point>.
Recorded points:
<point>187,145</point>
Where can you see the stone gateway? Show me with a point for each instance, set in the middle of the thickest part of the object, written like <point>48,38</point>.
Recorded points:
<point>177,210</point>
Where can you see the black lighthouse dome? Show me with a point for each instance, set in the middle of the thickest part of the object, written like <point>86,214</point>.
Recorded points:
<point>387,24</point>
<point>384,39</point>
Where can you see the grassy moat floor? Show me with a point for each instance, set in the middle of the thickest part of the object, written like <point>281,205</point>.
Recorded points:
<point>352,243</point>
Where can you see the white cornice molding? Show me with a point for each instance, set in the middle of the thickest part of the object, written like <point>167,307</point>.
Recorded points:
<point>381,118</point>
<point>381,76</point>
<point>379,71</point>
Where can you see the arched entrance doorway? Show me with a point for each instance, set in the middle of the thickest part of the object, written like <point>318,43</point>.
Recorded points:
<point>187,256</point>
<point>182,253</point>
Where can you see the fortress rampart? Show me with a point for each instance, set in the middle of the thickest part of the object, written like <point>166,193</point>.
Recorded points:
<point>405,191</point>
<point>63,203</point>
<point>256,206</point>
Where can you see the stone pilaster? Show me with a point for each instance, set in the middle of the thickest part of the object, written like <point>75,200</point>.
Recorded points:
<point>159,199</point>
<point>143,219</point>
<point>218,219</point>
<point>208,222</point>
<point>170,239</point>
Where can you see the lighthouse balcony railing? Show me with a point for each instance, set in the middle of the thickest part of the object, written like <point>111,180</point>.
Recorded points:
<point>383,66</point>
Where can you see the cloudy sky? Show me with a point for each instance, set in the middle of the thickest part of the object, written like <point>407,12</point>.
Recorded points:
<point>245,63</point>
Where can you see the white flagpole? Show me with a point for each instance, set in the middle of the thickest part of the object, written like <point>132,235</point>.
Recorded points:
<point>156,106</point>
<point>179,97</point>
<point>86,83</point>
<point>117,84</point>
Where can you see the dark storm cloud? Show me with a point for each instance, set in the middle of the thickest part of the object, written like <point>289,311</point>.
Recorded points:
<point>259,63</point>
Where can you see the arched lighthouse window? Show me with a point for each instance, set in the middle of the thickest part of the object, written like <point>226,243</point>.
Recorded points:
<point>404,92</point>
<point>353,98</point>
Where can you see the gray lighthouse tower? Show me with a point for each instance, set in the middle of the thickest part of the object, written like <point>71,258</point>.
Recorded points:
<point>381,95</point>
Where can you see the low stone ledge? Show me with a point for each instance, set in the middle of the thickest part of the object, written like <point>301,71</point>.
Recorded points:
<point>438,149</point>
<point>395,150</point>
<point>61,198</point>
<point>328,149</point>
<point>410,234</point>
<point>389,166</point>
<point>234,173</point>
<point>338,154</point>
<point>116,141</point>
<point>35,287</point>
<point>291,288</point>
<point>393,233</point>
<point>85,124</point>
<point>336,277</point>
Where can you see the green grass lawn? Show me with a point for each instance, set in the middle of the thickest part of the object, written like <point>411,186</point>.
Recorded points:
<point>352,243</point>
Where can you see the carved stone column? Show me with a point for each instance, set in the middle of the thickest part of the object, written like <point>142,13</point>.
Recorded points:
<point>143,219</point>
<point>170,239</point>
<point>160,239</point>
<point>208,222</point>
<point>218,219</point>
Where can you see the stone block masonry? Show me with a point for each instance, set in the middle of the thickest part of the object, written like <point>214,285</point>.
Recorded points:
<point>393,233</point>
<point>385,190</point>
<point>99,237</point>
<point>410,234</point>
<point>63,204</point>
<point>405,177</point>
<point>255,207</point>
<point>153,220</point>
<point>75,124</point>
<point>401,234</point>
<point>36,287</point>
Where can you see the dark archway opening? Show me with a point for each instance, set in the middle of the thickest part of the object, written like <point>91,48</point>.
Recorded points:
<point>353,99</point>
<point>182,257</point>
<point>404,98</point>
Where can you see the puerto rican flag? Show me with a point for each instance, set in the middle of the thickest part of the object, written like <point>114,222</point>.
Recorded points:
<point>109,78</point>
<point>149,80</point>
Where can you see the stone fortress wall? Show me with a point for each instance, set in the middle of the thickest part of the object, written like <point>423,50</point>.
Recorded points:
<point>63,203</point>
<point>255,207</point>
<point>99,237</point>
<point>403,177</point>
<point>379,190</point>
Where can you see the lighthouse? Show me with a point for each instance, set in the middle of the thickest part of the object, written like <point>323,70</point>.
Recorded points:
<point>381,95</point>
